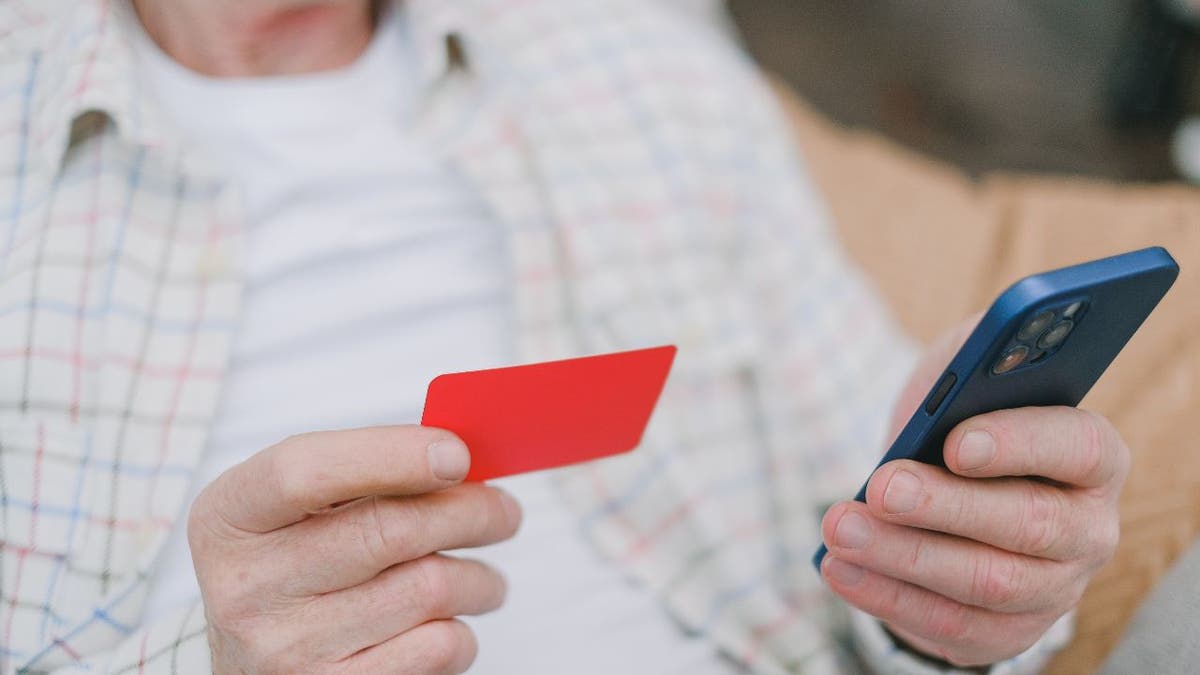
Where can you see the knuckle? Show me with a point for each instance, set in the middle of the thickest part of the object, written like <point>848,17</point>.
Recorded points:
<point>380,542</point>
<point>1038,524</point>
<point>1111,446</point>
<point>496,518</point>
<point>917,553</point>
<point>964,512</point>
<point>207,523</point>
<point>893,598</point>
<point>1105,459</point>
<point>998,582</point>
<point>299,480</point>
<point>291,484</point>
<point>482,513</point>
<point>948,622</point>
<point>434,585</point>
<point>1091,447</point>
<point>199,516</point>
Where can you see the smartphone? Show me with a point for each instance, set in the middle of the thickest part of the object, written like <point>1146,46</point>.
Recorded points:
<point>1044,342</point>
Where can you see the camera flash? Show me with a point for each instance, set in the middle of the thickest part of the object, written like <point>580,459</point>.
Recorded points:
<point>1011,359</point>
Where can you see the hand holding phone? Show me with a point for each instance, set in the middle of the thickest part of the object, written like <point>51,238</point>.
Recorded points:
<point>997,501</point>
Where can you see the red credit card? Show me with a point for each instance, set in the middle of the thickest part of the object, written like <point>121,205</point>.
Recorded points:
<point>544,415</point>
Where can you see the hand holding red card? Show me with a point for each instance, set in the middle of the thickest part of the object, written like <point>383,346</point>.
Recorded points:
<point>545,415</point>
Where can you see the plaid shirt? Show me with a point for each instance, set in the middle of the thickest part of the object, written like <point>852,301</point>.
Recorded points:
<point>650,194</point>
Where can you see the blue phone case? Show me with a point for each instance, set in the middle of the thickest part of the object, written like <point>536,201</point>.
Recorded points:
<point>1110,297</point>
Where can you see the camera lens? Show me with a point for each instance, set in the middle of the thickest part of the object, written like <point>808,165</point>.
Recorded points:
<point>1056,335</point>
<point>1035,327</point>
<point>1011,359</point>
<point>1072,309</point>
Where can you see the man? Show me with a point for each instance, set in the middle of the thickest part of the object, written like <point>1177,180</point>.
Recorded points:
<point>234,226</point>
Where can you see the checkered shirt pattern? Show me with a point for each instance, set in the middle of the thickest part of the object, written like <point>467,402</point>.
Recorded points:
<point>651,195</point>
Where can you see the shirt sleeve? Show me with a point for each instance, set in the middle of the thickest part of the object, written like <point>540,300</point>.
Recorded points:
<point>883,656</point>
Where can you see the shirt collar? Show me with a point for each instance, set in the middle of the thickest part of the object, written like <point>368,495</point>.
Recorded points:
<point>437,28</point>
<point>85,62</point>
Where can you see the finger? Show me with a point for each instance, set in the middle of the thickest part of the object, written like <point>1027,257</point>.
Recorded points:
<point>1068,445</point>
<point>1015,514</point>
<point>309,473</point>
<point>974,636</point>
<point>352,544</point>
<point>965,571</point>
<point>401,598</point>
<point>445,647</point>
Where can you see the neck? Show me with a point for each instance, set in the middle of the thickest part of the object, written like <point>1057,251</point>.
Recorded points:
<point>257,38</point>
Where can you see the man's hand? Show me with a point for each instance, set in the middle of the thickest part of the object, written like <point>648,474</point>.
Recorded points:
<point>320,554</point>
<point>973,564</point>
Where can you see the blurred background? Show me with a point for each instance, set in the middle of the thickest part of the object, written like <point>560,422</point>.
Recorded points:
<point>1097,88</point>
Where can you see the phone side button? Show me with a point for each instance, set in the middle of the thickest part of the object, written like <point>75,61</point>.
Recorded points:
<point>943,387</point>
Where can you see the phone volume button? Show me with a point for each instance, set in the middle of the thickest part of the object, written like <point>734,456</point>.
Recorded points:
<point>943,387</point>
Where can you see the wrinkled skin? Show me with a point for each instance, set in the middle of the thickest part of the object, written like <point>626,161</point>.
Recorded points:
<point>321,554</point>
<point>972,564</point>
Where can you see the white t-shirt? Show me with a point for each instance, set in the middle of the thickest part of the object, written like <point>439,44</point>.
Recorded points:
<point>373,267</point>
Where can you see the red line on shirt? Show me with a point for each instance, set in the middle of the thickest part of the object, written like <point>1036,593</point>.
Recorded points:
<point>183,373</point>
<point>142,652</point>
<point>23,552</point>
<point>157,371</point>
<point>62,644</point>
<point>647,539</point>
<point>86,80</point>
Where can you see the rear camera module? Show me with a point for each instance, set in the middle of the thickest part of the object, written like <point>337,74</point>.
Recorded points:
<point>1011,359</point>
<point>1055,336</point>
<point>1036,325</point>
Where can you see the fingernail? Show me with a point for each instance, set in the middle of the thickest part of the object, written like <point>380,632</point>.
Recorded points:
<point>843,572</point>
<point>512,509</point>
<point>449,459</point>
<point>976,450</point>
<point>902,493</point>
<point>852,532</point>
